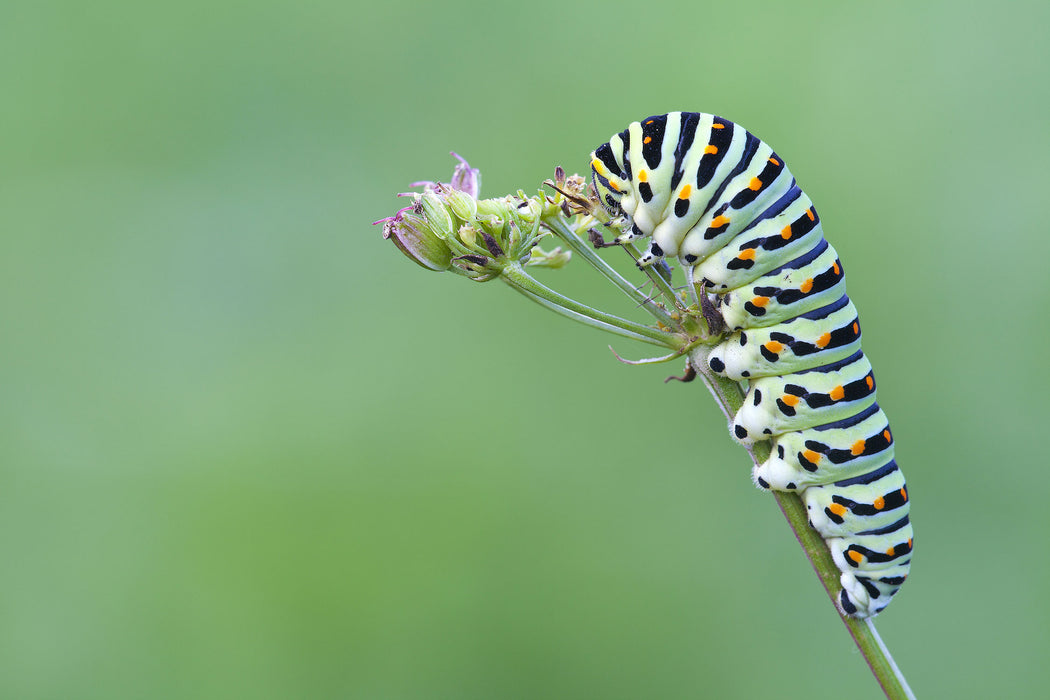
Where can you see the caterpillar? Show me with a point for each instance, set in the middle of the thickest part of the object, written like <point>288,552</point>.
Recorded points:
<point>710,193</point>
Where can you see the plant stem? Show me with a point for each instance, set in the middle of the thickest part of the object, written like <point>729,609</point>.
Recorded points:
<point>730,398</point>
<point>658,281</point>
<point>514,275</point>
<point>583,249</point>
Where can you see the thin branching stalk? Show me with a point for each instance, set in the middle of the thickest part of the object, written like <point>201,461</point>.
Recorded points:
<point>658,281</point>
<point>520,280</point>
<point>583,249</point>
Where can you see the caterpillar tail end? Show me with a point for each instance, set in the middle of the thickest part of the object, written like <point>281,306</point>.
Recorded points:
<point>853,599</point>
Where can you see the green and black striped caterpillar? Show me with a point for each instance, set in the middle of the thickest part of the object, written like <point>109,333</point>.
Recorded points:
<point>720,200</point>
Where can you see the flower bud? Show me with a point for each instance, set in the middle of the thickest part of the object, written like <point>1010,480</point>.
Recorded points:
<point>554,259</point>
<point>433,209</point>
<point>417,241</point>
<point>465,178</point>
<point>462,204</point>
<point>469,235</point>
<point>492,207</point>
<point>529,210</point>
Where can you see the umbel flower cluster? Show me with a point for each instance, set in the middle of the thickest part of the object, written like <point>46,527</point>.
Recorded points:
<point>448,228</point>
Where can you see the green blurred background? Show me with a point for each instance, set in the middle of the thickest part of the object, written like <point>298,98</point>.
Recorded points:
<point>248,450</point>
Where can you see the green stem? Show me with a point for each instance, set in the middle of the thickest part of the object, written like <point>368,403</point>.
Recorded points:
<point>581,248</point>
<point>658,281</point>
<point>516,277</point>
<point>730,398</point>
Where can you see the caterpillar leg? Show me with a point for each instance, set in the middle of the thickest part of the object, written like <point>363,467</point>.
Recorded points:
<point>629,234</point>
<point>653,254</point>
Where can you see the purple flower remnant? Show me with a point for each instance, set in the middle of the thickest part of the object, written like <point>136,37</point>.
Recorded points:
<point>464,178</point>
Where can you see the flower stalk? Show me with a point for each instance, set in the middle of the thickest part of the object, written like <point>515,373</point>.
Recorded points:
<point>447,228</point>
<point>516,277</point>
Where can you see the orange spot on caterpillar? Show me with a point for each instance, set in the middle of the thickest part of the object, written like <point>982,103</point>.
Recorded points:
<point>650,121</point>
<point>811,456</point>
<point>838,509</point>
<point>774,347</point>
<point>719,221</point>
<point>785,233</point>
<point>904,494</point>
<point>806,286</point>
<point>686,191</point>
<point>870,381</point>
<point>643,176</point>
<point>748,254</point>
<point>613,186</point>
<point>718,126</point>
<point>855,555</point>
<point>858,448</point>
<point>836,268</point>
<point>774,161</point>
<point>596,164</point>
<point>879,503</point>
<point>760,301</point>
<point>909,543</point>
<point>856,329</point>
<point>789,399</point>
<point>812,216</point>
<point>892,551</point>
<point>837,393</point>
<point>755,184</point>
<point>711,149</point>
<point>647,140</point>
<point>886,434</point>
<point>823,340</point>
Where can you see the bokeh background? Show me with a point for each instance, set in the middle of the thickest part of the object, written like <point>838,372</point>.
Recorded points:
<point>248,450</point>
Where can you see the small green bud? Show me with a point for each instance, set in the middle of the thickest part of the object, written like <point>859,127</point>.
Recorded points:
<point>433,209</point>
<point>462,205</point>
<point>512,233</point>
<point>529,210</point>
<point>492,207</point>
<point>554,259</point>
<point>469,235</point>
<point>493,225</point>
<point>417,241</point>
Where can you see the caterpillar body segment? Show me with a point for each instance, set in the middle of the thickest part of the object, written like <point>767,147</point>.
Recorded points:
<point>878,507</point>
<point>792,402</point>
<point>763,247</point>
<point>707,192</point>
<point>810,281</point>
<point>857,446</point>
<point>823,336</point>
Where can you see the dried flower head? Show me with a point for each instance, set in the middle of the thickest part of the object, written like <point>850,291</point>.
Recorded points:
<point>449,228</point>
